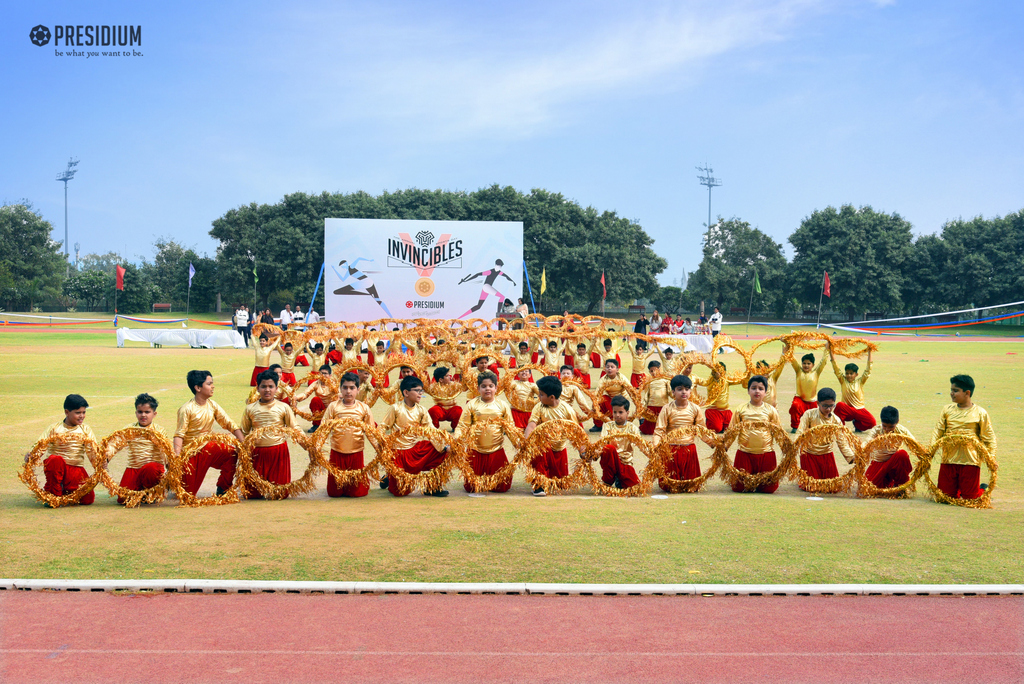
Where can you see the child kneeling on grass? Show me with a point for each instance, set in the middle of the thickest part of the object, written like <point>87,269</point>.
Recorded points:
<point>554,460</point>
<point>617,457</point>
<point>64,464</point>
<point>411,455</point>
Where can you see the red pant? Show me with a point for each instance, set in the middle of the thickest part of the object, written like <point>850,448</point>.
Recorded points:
<point>138,479</point>
<point>450,414</point>
<point>819,466</point>
<point>862,419</point>
<point>717,419</point>
<point>552,463</point>
<point>797,409</point>
<point>960,480</point>
<point>214,455</point>
<point>494,368</point>
<point>584,378</point>
<point>62,479</point>
<point>595,359</point>
<point>488,464</point>
<point>316,405</point>
<point>273,464</point>
<point>289,379</point>
<point>637,379</point>
<point>612,468</point>
<point>420,458</point>
<point>334,357</point>
<point>605,404</point>
<point>891,473</point>
<point>683,464</point>
<point>520,418</point>
<point>754,464</point>
<point>256,371</point>
<point>353,461</point>
<point>647,427</point>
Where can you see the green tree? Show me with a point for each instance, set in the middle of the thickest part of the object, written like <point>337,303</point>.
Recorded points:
<point>32,259</point>
<point>732,252</point>
<point>864,252</point>
<point>169,274</point>
<point>139,291</point>
<point>86,287</point>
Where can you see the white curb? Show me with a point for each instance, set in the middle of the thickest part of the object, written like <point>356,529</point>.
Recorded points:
<point>210,586</point>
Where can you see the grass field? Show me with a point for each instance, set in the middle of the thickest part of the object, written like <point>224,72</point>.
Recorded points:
<point>714,536</point>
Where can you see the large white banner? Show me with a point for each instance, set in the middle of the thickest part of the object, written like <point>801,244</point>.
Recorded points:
<point>390,268</point>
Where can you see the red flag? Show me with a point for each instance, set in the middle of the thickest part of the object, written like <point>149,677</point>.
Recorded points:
<point>826,288</point>
<point>604,290</point>
<point>120,277</point>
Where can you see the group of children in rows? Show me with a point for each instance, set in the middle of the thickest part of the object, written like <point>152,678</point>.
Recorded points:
<point>557,398</point>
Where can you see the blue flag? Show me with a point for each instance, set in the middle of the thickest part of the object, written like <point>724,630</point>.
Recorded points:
<point>191,272</point>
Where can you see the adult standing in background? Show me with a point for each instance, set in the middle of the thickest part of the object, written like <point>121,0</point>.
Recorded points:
<point>641,325</point>
<point>656,321</point>
<point>267,317</point>
<point>242,323</point>
<point>286,316</point>
<point>312,317</point>
<point>523,310</point>
<point>716,322</point>
<point>298,318</point>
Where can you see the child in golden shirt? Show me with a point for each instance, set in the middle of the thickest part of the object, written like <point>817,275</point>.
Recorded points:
<point>683,463</point>
<point>487,454</point>
<point>571,394</point>
<point>270,457</point>
<point>960,472</point>
<point>347,443</point>
<point>852,408</point>
<point>755,453</point>
<point>617,457</point>
<point>524,389</point>
<point>807,375</point>
<point>63,467</point>
<point>145,462</point>
<point>288,356</point>
<point>444,409</point>
<point>817,458</point>
<point>196,419</point>
<point>263,351</point>
<point>889,467</point>
<point>553,461</point>
<point>411,454</point>
<point>607,387</point>
<point>657,394</point>
<point>322,396</point>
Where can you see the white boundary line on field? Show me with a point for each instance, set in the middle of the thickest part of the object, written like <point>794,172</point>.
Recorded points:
<point>208,586</point>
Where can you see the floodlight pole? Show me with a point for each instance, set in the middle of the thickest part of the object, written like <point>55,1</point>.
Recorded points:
<point>64,177</point>
<point>711,182</point>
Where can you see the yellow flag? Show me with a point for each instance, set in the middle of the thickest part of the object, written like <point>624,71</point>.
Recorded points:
<point>543,280</point>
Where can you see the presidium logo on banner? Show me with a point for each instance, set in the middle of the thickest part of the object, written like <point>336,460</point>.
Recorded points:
<point>89,36</point>
<point>424,254</point>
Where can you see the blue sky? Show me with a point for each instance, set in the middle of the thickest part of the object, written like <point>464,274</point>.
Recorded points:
<point>910,107</point>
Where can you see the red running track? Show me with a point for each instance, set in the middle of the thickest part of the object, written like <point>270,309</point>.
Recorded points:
<point>93,637</point>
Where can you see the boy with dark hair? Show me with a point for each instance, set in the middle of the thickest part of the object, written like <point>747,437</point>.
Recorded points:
<point>762,367</point>
<point>717,413</point>
<point>617,457</point>
<point>683,464</point>
<point>610,385</point>
<point>411,455</point>
<point>145,462</point>
<point>349,352</point>
<point>347,443</point>
<point>638,356</point>
<point>263,351</point>
<point>195,421</point>
<point>571,394</point>
<point>818,459</point>
<point>807,375</point>
<point>322,396</point>
<point>611,351</point>
<point>889,467</point>
<point>657,394</point>
<point>553,461</point>
<point>64,464</point>
<point>581,362</point>
<point>851,408</point>
<point>270,457</point>
<point>522,355</point>
<point>554,356</point>
<point>960,472</point>
<point>444,409</point>
<point>755,453</point>
<point>487,454</point>
<point>288,356</point>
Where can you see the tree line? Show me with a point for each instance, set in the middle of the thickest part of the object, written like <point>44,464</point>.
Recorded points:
<point>872,258</point>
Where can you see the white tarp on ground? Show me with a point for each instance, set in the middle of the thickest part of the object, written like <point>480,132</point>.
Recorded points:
<point>384,268</point>
<point>180,338</point>
<point>700,343</point>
